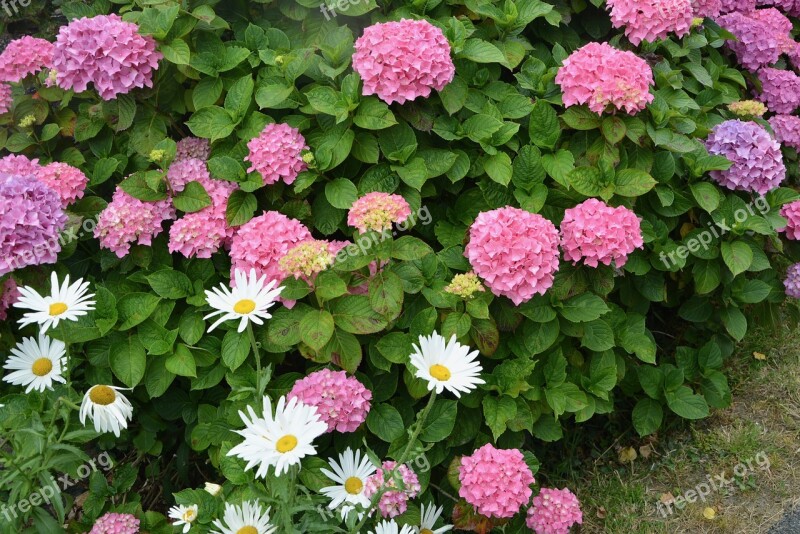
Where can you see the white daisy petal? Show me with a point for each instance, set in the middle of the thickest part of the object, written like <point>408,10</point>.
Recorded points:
<point>428,520</point>
<point>248,301</point>
<point>183,515</point>
<point>109,409</point>
<point>350,474</point>
<point>36,364</point>
<point>449,366</point>
<point>245,518</point>
<point>391,527</point>
<point>64,303</point>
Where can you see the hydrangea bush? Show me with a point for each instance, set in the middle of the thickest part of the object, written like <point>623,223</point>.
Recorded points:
<point>305,267</point>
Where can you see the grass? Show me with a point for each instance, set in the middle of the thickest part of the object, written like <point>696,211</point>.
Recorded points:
<point>762,426</point>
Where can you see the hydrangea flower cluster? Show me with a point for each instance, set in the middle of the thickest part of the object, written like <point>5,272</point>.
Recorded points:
<point>787,129</point>
<point>741,6</point>
<point>756,157</point>
<point>106,51</point>
<point>495,481</point>
<point>19,165</point>
<point>758,43</point>
<point>465,285</point>
<point>8,296</point>
<point>183,171</point>
<point>342,401</point>
<point>707,8</point>
<point>31,218</point>
<point>113,523</point>
<point>791,212</point>
<point>128,220</point>
<point>394,502</point>
<point>307,259</point>
<point>790,7</point>
<point>792,281</point>
<point>554,511</point>
<point>599,75</point>
<point>65,180</point>
<point>193,148</point>
<point>597,233</point>
<point>6,98</point>
<point>780,90</point>
<point>514,251</point>
<point>261,242</point>
<point>377,211</point>
<point>748,108</point>
<point>403,60</point>
<point>277,153</point>
<point>24,56</point>
<point>651,20</point>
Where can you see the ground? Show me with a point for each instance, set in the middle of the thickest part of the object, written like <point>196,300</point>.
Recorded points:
<point>758,435</point>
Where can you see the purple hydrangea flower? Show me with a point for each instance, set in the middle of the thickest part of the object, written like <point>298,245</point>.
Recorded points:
<point>792,281</point>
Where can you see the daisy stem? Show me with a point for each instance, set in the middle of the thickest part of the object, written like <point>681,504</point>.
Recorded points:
<point>257,354</point>
<point>67,373</point>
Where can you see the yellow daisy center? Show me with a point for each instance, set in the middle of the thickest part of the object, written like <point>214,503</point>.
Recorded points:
<point>353,485</point>
<point>244,306</point>
<point>286,443</point>
<point>440,372</point>
<point>103,395</point>
<point>42,366</point>
<point>247,530</point>
<point>189,515</point>
<point>426,531</point>
<point>57,308</point>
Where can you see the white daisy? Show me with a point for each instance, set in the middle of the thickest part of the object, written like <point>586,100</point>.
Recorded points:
<point>107,407</point>
<point>448,366</point>
<point>247,519</point>
<point>390,527</point>
<point>36,364</point>
<point>248,301</point>
<point>428,521</point>
<point>350,474</point>
<point>213,489</point>
<point>64,303</point>
<point>281,440</point>
<point>183,515</point>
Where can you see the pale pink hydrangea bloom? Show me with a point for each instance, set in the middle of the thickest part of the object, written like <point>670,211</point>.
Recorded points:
<point>192,148</point>
<point>128,220</point>
<point>8,296</point>
<point>742,6</point>
<point>305,260</point>
<point>6,98</point>
<point>342,401</point>
<point>19,165</point>
<point>597,233</point>
<point>113,523</point>
<point>400,61</point>
<point>707,8</point>
<point>760,37</point>
<point>792,281</point>
<point>554,511</point>
<point>651,20</point>
<point>495,481</point>
<point>395,502</point>
<point>780,90</point>
<point>183,171</point>
<point>599,75</point>
<point>514,251</point>
<point>377,211</point>
<point>787,129</point>
<point>24,56</point>
<point>106,51</point>
<point>65,180</point>
<point>277,153</point>
<point>791,212</point>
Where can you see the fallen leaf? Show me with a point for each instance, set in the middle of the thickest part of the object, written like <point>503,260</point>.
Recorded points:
<point>709,513</point>
<point>626,455</point>
<point>759,356</point>
<point>667,498</point>
<point>601,513</point>
<point>645,451</point>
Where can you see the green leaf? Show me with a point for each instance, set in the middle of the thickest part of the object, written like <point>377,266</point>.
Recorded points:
<point>134,308</point>
<point>410,248</point>
<point>481,51</point>
<point>170,284</point>
<point>316,328</point>
<point>584,307</point>
<point>386,293</point>
<point>738,256</point>
<point>735,322</point>
<point>498,167</point>
<point>136,185</point>
<point>212,122</point>
<point>706,195</point>
<point>441,421</point>
<point>235,349</point>
<point>581,118</point>
<point>127,358</point>
<point>193,198</point>
<point>354,314</point>
<point>647,416</point>
<point>181,362</point>
<point>239,97</point>
<point>177,52</point>
<point>543,127</point>
<point>241,207</point>
<point>597,336</point>
<point>385,422</point>
<point>613,129</point>
<point>497,411</point>
<point>587,181</point>
<point>633,183</point>
<point>752,291</point>
<point>341,193</point>
<point>687,404</point>
<point>373,114</point>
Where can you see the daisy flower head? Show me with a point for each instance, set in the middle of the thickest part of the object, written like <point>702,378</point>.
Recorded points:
<point>64,303</point>
<point>391,527</point>
<point>183,515</point>
<point>428,520</point>
<point>350,474</point>
<point>249,518</point>
<point>249,300</point>
<point>107,407</point>
<point>278,440</point>
<point>36,364</point>
<point>446,365</point>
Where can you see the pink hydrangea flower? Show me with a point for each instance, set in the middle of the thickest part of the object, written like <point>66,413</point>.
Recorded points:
<point>495,481</point>
<point>377,211</point>
<point>65,180</point>
<point>792,281</point>
<point>651,20</point>
<point>759,42</point>
<point>8,296</point>
<point>6,98</point>
<point>305,260</point>
<point>193,148</point>
<point>401,61</point>
<point>277,153</point>
<point>261,242</point>
<point>790,7</point>
<point>756,157</point>
<point>24,56</point>
<point>780,90</point>
<point>597,233</point>
<point>741,6</point>
<point>707,8</point>
<point>106,51</point>
<point>394,502</point>
<point>602,76</point>
<point>183,171</point>
<point>19,165</point>
<point>31,219</point>
<point>342,401</point>
<point>554,511</point>
<point>112,523</point>
<point>200,234</point>
<point>791,212</point>
<point>514,251</point>
<point>128,220</point>
<point>787,129</point>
